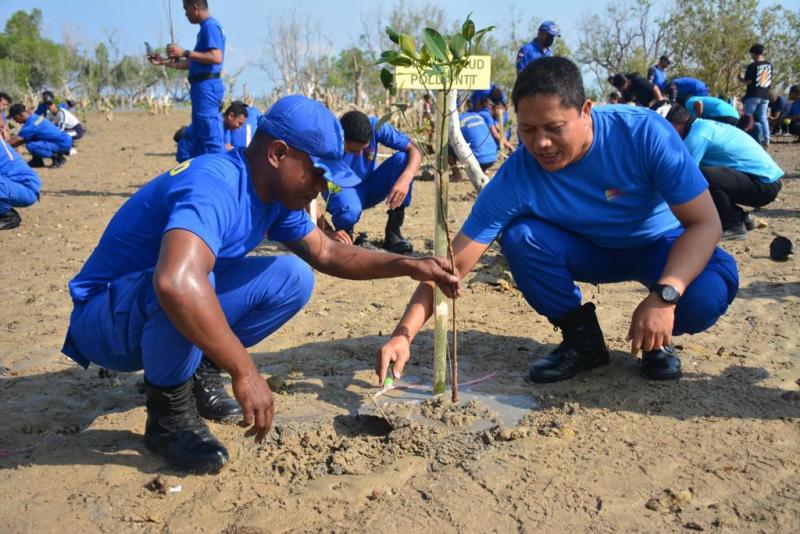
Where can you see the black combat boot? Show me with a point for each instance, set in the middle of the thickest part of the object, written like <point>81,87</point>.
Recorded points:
<point>58,160</point>
<point>36,162</point>
<point>394,240</point>
<point>213,402</point>
<point>10,219</point>
<point>661,364</point>
<point>175,430</point>
<point>583,347</point>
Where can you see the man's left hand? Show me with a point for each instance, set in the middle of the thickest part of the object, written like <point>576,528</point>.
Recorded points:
<point>174,51</point>
<point>651,325</point>
<point>397,195</point>
<point>438,271</point>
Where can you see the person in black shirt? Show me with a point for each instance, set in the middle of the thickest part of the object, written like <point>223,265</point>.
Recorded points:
<point>635,88</point>
<point>758,78</point>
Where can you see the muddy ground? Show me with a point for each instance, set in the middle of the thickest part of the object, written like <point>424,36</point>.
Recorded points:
<point>717,451</point>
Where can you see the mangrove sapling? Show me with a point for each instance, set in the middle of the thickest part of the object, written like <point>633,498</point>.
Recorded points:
<point>440,58</point>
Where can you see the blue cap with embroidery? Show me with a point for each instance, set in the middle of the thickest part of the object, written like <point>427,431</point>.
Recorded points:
<point>308,126</point>
<point>550,27</point>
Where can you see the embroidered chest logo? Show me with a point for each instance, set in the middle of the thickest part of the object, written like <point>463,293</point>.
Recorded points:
<point>614,194</point>
<point>369,154</point>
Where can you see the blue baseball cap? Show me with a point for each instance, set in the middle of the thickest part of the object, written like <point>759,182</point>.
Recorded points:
<point>550,27</point>
<point>308,126</point>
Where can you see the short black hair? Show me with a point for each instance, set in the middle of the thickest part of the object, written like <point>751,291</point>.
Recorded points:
<point>677,114</point>
<point>202,4</point>
<point>757,49</point>
<point>356,127</point>
<point>794,89</point>
<point>614,94</point>
<point>617,80</point>
<point>237,107</point>
<point>6,97</point>
<point>551,76</point>
<point>16,109</point>
<point>48,96</point>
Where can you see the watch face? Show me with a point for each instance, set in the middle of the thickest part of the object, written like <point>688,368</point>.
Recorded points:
<point>669,294</point>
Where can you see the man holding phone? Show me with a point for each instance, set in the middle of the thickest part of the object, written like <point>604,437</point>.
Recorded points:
<point>204,64</point>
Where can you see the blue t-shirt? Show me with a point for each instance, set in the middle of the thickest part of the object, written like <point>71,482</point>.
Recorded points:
<point>38,128</point>
<point>529,52</point>
<point>477,135</point>
<point>614,197</point>
<point>714,144</point>
<point>794,110</point>
<point>209,37</point>
<point>364,163</point>
<point>14,168</point>
<point>657,77</point>
<point>242,136</point>
<point>712,107</point>
<point>688,87</point>
<point>211,196</point>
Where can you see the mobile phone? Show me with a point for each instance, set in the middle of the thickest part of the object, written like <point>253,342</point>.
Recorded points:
<point>148,48</point>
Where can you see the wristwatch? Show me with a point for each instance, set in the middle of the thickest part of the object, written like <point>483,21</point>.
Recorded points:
<point>187,53</point>
<point>666,292</point>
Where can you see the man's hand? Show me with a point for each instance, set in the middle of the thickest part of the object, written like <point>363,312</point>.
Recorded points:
<point>254,396</point>
<point>174,51</point>
<point>651,325</point>
<point>156,59</point>
<point>398,193</point>
<point>438,271</point>
<point>396,351</point>
<point>340,235</point>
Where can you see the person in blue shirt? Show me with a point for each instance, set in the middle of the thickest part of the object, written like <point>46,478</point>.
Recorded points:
<point>739,172</point>
<point>571,205</point>
<point>204,64</point>
<point>170,287</point>
<point>42,138</point>
<point>657,74</point>
<point>5,103</point>
<point>47,98</point>
<point>540,46</point>
<point>240,137</point>
<point>390,182</point>
<point>19,186</point>
<point>711,108</point>
<point>485,108</point>
<point>793,115</point>
<point>234,119</point>
<point>480,141</point>
<point>682,89</point>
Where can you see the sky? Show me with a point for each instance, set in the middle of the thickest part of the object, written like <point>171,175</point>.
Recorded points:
<point>246,22</point>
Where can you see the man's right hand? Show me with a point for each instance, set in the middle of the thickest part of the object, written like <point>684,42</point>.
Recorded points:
<point>254,396</point>
<point>156,59</point>
<point>396,351</point>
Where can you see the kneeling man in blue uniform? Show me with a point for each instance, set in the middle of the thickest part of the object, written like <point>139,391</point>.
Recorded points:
<point>598,195</point>
<point>170,288</point>
<point>391,181</point>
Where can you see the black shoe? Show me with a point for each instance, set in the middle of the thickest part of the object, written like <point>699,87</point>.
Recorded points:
<point>583,348</point>
<point>10,219</point>
<point>394,240</point>
<point>735,233</point>
<point>175,430</point>
<point>661,364</point>
<point>58,160</point>
<point>213,402</point>
<point>36,162</point>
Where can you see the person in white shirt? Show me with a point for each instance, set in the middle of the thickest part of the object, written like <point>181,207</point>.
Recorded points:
<point>65,120</point>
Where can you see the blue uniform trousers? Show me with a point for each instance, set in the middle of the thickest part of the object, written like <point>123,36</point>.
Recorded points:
<point>345,206</point>
<point>15,194</point>
<point>125,329</point>
<point>44,149</point>
<point>546,260</point>
<point>207,97</point>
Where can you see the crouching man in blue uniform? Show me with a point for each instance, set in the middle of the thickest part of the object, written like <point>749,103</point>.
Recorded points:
<point>572,206</point>
<point>170,289</point>
<point>19,186</point>
<point>42,138</point>
<point>391,181</point>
